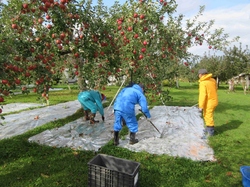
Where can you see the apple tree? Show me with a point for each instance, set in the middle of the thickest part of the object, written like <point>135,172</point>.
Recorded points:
<point>153,42</point>
<point>41,38</point>
<point>144,40</point>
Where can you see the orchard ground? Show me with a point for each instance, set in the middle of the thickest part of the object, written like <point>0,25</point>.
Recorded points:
<point>180,129</point>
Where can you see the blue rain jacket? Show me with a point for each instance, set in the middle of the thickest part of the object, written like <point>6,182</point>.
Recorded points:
<point>91,100</point>
<point>124,107</point>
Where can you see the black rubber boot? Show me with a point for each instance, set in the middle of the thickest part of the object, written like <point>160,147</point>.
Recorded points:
<point>92,119</point>
<point>132,139</point>
<point>86,115</point>
<point>116,138</point>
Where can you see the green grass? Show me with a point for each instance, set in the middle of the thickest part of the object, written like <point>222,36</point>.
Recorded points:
<point>24,164</point>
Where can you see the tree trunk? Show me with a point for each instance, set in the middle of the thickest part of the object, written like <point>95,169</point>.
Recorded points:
<point>217,81</point>
<point>69,87</point>
<point>177,82</point>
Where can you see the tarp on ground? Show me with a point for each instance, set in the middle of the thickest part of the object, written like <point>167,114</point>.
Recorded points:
<point>181,129</point>
<point>19,123</point>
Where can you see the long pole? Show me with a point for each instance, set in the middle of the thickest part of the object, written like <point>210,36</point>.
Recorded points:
<point>150,121</point>
<point>117,92</point>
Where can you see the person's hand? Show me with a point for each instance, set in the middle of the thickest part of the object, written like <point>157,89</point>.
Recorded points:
<point>103,118</point>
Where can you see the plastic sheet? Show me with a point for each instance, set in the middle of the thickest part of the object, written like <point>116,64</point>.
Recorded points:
<point>181,129</point>
<point>83,135</point>
<point>15,124</point>
<point>14,107</point>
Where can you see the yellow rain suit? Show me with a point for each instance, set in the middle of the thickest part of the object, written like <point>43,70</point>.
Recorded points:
<point>208,98</point>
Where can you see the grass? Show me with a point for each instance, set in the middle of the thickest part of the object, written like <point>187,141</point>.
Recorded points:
<point>24,164</point>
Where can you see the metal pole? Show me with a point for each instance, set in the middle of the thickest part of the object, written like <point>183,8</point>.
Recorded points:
<point>117,92</point>
<point>149,120</point>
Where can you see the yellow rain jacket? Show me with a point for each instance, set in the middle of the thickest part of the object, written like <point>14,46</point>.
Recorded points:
<point>208,98</point>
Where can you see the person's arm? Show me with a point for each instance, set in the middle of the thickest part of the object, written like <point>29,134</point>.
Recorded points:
<point>144,104</point>
<point>98,102</point>
<point>202,95</point>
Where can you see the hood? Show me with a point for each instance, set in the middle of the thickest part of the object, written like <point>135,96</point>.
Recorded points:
<point>206,77</point>
<point>137,87</point>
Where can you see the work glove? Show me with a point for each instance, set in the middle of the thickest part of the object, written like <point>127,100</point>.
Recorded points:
<point>103,118</point>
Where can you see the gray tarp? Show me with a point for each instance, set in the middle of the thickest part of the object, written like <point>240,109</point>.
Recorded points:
<point>15,124</point>
<point>180,129</point>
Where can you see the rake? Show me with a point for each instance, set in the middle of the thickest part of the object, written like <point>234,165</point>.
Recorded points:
<point>151,123</point>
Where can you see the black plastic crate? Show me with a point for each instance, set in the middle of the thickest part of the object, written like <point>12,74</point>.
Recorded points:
<point>109,171</point>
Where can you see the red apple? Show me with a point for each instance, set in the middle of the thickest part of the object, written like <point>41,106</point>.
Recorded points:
<point>145,43</point>
<point>32,49</point>
<point>14,26</point>
<point>119,27</point>
<point>17,81</point>
<point>48,17</point>
<point>59,47</point>
<point>5,81</point>
<point>58,41</point>
<point>37,39</point>
<point>142,16</point>
<point>1,99</point>
<point>47,4</point>
<point>130,28</point>
<point>135,15</point>
<point>63,1</point>
<point>62,35</point>
<point>25,5</point>
<point>77,55</point>
<point>49,26</point>
<point>40,20</point>
<point>27,74</point>
<point>119,22</point>
<point>143,50</point>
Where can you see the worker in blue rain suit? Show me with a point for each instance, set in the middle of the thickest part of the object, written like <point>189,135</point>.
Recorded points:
<point>91,100</point>
<point>124,108</point>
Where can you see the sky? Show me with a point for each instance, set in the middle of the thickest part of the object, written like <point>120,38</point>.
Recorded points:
<point>231,15</point>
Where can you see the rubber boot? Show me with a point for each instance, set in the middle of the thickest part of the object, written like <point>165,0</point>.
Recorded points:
<point>116,138</point>
<point>86,115</point>
<point>209,131</point>
<point>132,139</point>
<point>92,119</point>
